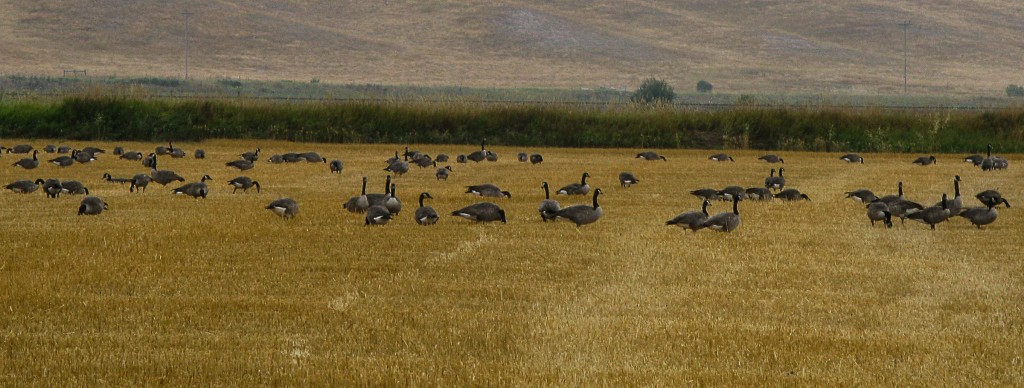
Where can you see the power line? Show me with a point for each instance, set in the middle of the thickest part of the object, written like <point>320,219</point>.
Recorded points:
<point>905,25</point>
<point>187,14</point>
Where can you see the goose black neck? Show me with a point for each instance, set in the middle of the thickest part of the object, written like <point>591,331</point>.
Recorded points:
<point>596,192</point>
<point>387,183</point>
<point>735,205</point>
<point>704,207</point>
<point>364,186</point>
<point>989,153</point>
<point>547,194</point>
<point>901,189</point>
<point>422,195</point>
<point>780,172</point>
<point>956,188</point>
<point>583,180</point>
<point>944,202</point>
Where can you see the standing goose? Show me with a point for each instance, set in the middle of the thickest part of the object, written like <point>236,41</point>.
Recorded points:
<point>442,173</point>
<point>109,178</point>
<point>164,177</point>
<point>27,163</point>
<point>852,158</point>
<point>932,215</point>
<point>149,161</point>
<point>398,167</point>
<point>244,183</point>
<point>721,158</point>
<point>548,207</point>
<point>441,158</point>
<point>91,206</point>
<point>132,155</point>
<point>991,195</point>
<point>900,206</point>
<point>879,211</point>
<point>650,155</point>
<point>536,158</point>
<point>140,181</point>
<point>581,188</point>
<point>195,189</point>
<point>993,162</point>
<point>775,182</point>
<point>974,159</point>
<point>425,215</point>
<point>359,203</point>
<point>691,219</point>
<point>772,158</point>
<point>251,156</point>
<point>479,156</point>
<point>392,203</point>
<point>481,212</point>
<point>73,187</point>
<point>487,190</point>
<point>241,164</point>
<point>82,156</point>
<point>336,166</point>
<point>460,159</point>
<point>24,186</point>
<point>627,179</point>
<point>62,161</point>
<point>725,222</point>
<point>980,216</point>
<point>582,214</point>
<point>759,194</point>
<point>731,192</point>
<point>377,215</point>
<point>862,195</point>
<point>925,160</point>
<point>199,154</point>
<point>284,207</point>
<point>522,157</point>
<point>792,195</point>
<point>377,198</point>
<point>956,204</point>
<point>52,188</point>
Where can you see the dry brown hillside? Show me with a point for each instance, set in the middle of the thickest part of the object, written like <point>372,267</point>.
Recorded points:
<point>814,46</point>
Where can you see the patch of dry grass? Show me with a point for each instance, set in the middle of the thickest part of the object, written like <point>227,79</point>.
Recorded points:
<point>162,289</point>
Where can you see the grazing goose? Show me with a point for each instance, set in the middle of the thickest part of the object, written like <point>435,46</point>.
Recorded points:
<point>118,150</point>
<point>772,158</point>
<point>932,215</point>
<point>251,156</point>
<point>759,194</point>
<point>691,219</point>
<point>313,157</point>
<point>392,203</point>
<point>775,182</point>
<point>63,149</point>
<point>161,150</point>
<point>441,158</point>
<point>132,155</point>
<point>993,162</point>
<point>284,207</point>
<point>548,207</point>
<point>359,203</point>
<point>731,192</point>
<point>925,160</point>
<point>879,211</point>
<point>275,159</point>
<point>481,212</point>
<point>424,161</point>
<point>460,159</point>
<point>956,204</point>
<point>725,222</point>
<point>63,161</point>
<point>852,158</point>
<point>900,206</point>
<point>708,194</point>
<point>491,156</point>
<point>721,158</point>
<point>412,154</point>
<point>487,190</point>
<point>792,195</point>
<point>52,188</point>
<point>91,206</point>
<point>199,154</point>
<point>425,215</point>
<point>377,215</point>
<point>164,177</point>
<point>377,198</point>
<point>627,179</point>
<point>650,155</point>
<point>20,149</point>
<point>241,164</point>
<point>195,189</point>
<point>292,157</point>
<point>974,159</point>
<point>149,161</point>
<point>50,148</point>
<point>523,157</point>
<point>479,156</point>
<point>398,167</point>
<point>581,188</point>
<point>140,181</point>
<point>244,183</point>
<point>582,214</point>
<point>93,150</point>
<point>991,195</point>
<point>980,216</point>
<point>862,195</point>
<point>24,186</point>
<point>83,157</point>
<point>442,173</point>
<point>107,177</point>
<point>176,153</point>
<point>28,163</point>
<point>536,158</point>
<point>336,166</point>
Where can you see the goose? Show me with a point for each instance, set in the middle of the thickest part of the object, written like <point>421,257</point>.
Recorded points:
<point>27,163</point>
<point>377,198</point>
<point>50,148</point>
<point>377,215</point>
<point>460,159</point>
<point>139,181</point>
<point>481,212</point>
<point>164,177</point>
<point>244,183</point>
<point>107,177</point>
<point>441,158</point>
<point>861,195</point>
<point>709,194</point>
<point>425,215</point>
<point>118,150</point>
<point>392,203</point>
<point>63,149</point>
<point>20,149</point>
<point>879,211</point>
<point>691,219</point>
<point>899,205</point>
<point>176,153</point>
<point>775,182</point>
<point>336,166</point>
<point>991,195</point>
<point>980,216</point>
<point>412,154</point>
<point>398,167</point>
<point>442,173</point>
<point>522,157</point>
<point>479,156</point>
<point>932,215</point>
<point>772,158</point>
<point>195,189</point>
<point>91,206</point>
<point>491,156</point>
<point>292,157</point>
<point>313,157</point>
<point>132,155</point>
<point>161,150</point>
<point>251,156</point>
<point>721,158</point>
<point>581,188</point>
<point>93,150</point>
<point>925,160</point>
<point>276,159</point>
<point>199,154</point>
<point>359,203</point>
<point>650,155</point>
<point>393,159</point>
<point>725,222</point>
<point>487,190</point>
<point>150,160</point>
<point>582,214</point>
<point>759,194</point>
<point>52,188</point>
<point>82,156</point>
<point>792,195</point>
<point>732,192</point>
<point>24,186</point>
<point>548,207</point>
<point>974,159</point>
<point>62,161</point>
<point>627,179</point>
<point>284,207</point>
<point>241,164</point>
<point>852,158</point>
<point>956,204</point>
<point>424,161</point>
<point>536,158</point>
<point>993,162</point>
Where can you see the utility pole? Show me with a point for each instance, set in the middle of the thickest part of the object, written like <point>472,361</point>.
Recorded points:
<point>905,25</point>
<point>187,14</point>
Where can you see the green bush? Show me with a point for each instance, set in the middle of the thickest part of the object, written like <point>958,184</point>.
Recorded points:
<point>653,90</point>
<point>704,86</point>
<point>1015,91</point>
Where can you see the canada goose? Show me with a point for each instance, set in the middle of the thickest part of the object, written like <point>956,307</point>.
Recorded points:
<point>377,215</point>
<point>479,156</point>
<point>536,158</point>
<point>62,161</point>
<point>336,166</point>
<point>63,149</point>
<point>974,159</point>
<point>900,206</point>
<point>398,167</point>
<point>548,207</point>
<point>862,195</point>
<point>82,156</point>
<point>491,156</point>
<point>20,149</point>
<point>709,194</point>
<point>852,158</point>
<point>161,150</point>
<point>691,219</point>
<point>93,150</point>
<point>424,161</point>
<point>775,182</point>
<point>481,212</point>
<point>731,192</point>
<point>27,163</point>
<point>393,159</point>
<point>991,195</point>
<point>251,156</point>
<point>91,206</point>
<point>199,154</point>
<point>725,222</point>
<point>759,194</point>
<point>244,183</point>
<point>932,215</point>
<point>772,158</point>
<point>52,188</point>
<point>425,215</point>
<point>313,157</point>
<point>276,159</point>
<point>441,158</point>
<point>627,179</point>
<point>581,188</point>
<point>177,153</point>
<point>522,157</point>
<point>442,173</point>
<point>487,190</point>
<point>24,186</point>
<point>107,177</point>
<point>73,187</point>
<point>650,155</point>
<point>993,162</point>
<point>956,204</point>
<point>582,214</point>
<point>359,203</point>
<point>284,207</point>
<point>292,157</point>
<point>139,181</point>
<point>377,198</point>
<point>392,203</point>
<point>118,150</point>
<point>460,159</point>
<point>721,158</point>
<point>890,199</point>
<point>164,177</point>
<point>980,216</point>
<point>195,189</point>
<point>149,161</point>
<point>241,164</point>
<point>792,195</point>
<point>50,148</point>
<point>925,160</point>
<point>879,211</point>
<point>133,156</point>
<point>412,154</point>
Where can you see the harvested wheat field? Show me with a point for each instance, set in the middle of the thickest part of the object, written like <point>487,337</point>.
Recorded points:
<point>162,288</point>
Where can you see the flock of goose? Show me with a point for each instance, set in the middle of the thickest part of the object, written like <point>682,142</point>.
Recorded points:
<point>380,208</point>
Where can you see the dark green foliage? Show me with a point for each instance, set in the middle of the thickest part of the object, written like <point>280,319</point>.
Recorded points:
<point>653,90</point>
<point>1015,91</point>
<point>230,82</point>
<point>704,86</point>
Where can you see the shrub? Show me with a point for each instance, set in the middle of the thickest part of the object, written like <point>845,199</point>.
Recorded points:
<point>704,86</point>
<point>654,90</point>
<point>1015,91</point>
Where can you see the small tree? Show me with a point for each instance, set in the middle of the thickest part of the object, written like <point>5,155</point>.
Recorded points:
<point>653,90</point>
<point>1015,91</point>
<point>704,86</point>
